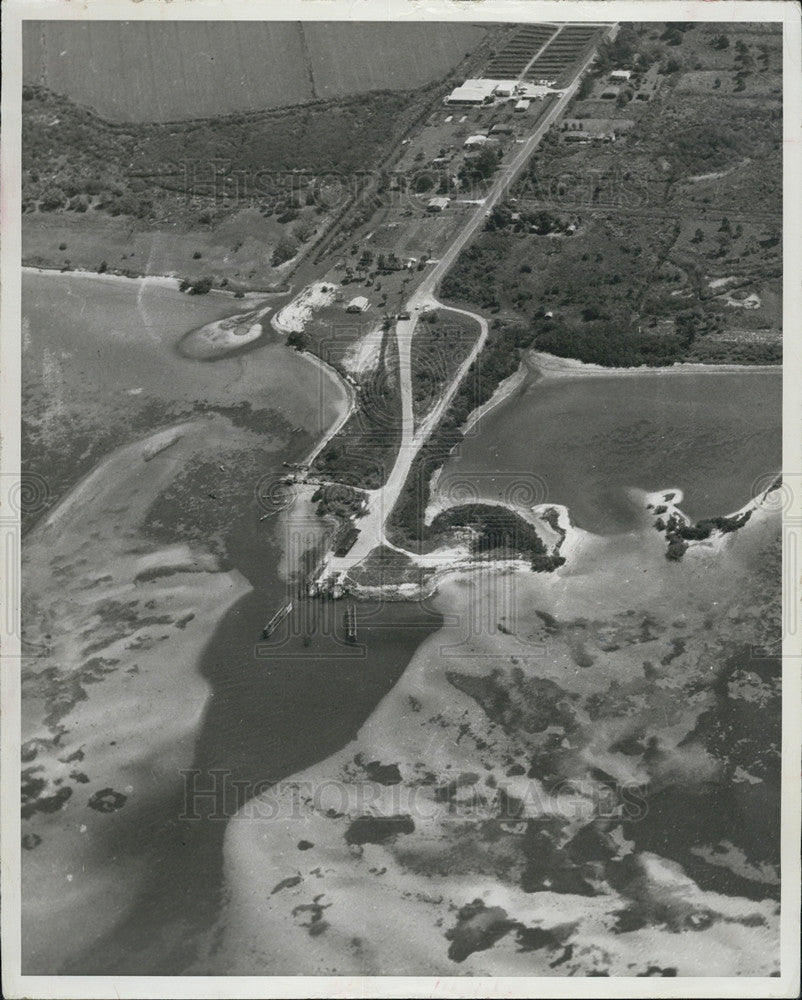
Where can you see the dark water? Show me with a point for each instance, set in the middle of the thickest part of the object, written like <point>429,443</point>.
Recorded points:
<point>276,707</point>
<point>584,442</point>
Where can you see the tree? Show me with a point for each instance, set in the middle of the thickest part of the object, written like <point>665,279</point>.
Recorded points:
<point>52,199</point>
<point>284,250</point>
<point>201,287</point>
<point>698,236</point>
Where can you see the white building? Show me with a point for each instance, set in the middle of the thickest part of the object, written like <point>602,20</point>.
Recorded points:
<point>621,74</point>
<point>357,305</point>
<point>437,204</point>
<point>472,92</point>
<point>505,88</point>
<point>476,140</point>
<point>522,105</point>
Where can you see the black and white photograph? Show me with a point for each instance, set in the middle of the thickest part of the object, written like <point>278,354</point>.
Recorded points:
<point>401,499</point>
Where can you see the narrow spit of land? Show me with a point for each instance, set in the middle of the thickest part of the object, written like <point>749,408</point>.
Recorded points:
<point>381,501</point>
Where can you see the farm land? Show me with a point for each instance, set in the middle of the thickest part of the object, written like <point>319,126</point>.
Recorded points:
<point>664,242</point>
<point>279,63</point>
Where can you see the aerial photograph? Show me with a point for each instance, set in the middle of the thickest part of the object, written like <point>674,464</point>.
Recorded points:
<point>402,500</point>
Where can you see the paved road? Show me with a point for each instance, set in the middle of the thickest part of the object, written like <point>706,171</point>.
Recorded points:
<point>382,501</point>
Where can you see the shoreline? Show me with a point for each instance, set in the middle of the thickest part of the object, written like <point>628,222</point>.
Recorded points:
<point>549,366</point>
<point>503,391</point>
<point>163,280</point>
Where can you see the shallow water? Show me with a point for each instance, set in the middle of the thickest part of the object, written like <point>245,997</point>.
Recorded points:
<point>100,347</point>
<point>584,442</point>
<point>90,337</point>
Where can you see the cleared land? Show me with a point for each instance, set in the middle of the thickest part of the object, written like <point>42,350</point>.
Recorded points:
<point>196,69</point>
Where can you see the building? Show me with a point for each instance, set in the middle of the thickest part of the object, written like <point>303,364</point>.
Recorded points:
<point>437,204</point>
<point>621,75</point>
<point>475,140</point>
<point>473,92</point>
<point>505,88</point>
<point>357,305</point>
<point>594,129</point>
<point>579,136</point>
<point>522,105</point>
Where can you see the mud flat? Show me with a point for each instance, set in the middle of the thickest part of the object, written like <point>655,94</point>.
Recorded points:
<point>218,339</point>
<point>548,789</point>
<point>111,693</point>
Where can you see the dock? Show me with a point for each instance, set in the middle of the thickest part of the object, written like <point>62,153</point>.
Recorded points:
<point>276,620</point>
<point>349,620</point>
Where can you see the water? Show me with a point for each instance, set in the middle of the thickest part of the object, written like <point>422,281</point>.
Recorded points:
<point>585,441</point>
<point>275,707</point>
<point>114,340</point>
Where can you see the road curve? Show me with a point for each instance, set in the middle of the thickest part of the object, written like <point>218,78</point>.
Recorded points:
<point>382,501</point>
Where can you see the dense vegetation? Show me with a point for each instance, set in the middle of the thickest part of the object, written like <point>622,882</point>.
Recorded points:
<point>198,170</point>
<point>441,344</point>
<point>339,500</point>
<point>496,530</point>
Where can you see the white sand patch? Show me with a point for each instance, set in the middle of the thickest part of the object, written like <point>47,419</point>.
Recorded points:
<point>722,282</point>
<point>752,301</point>
<point>296,314</point>
<point>550,366</point>
<point>363,355</point>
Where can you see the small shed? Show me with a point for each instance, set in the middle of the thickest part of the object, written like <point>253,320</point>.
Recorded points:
<point>437,204</point>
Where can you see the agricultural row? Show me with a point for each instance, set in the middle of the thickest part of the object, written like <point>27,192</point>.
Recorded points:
<point>562,52</point>
<point>542,52</point>
<point>516,55</point>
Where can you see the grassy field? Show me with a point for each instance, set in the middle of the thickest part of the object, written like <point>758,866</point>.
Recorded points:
<point>236,251</point>
<point>191,65</point>
<point>364,451</point>
<point>665,243</point>
<point>441,342</point>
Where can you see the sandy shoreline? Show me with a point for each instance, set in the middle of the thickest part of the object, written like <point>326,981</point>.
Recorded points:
<point>305,876</point>
<point>162,280</point>
<point>549,366</point>
<point>503,391</point>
